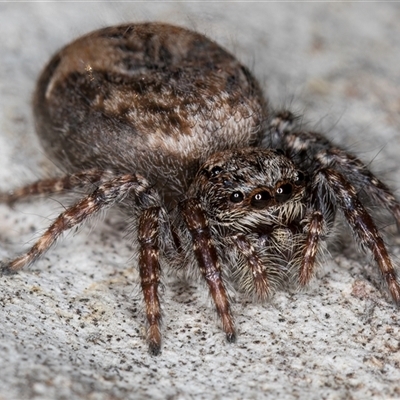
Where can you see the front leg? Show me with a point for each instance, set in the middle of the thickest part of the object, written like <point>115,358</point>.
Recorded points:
<point>207,258</point>
<point>319,223</point>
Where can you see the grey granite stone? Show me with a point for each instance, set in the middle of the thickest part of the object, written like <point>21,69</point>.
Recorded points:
<point>72,326</point>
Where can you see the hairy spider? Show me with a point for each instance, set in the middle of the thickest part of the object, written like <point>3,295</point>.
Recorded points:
<point>167,124</point>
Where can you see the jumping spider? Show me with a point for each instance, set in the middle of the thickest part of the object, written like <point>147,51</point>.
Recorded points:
<point>167,124</point>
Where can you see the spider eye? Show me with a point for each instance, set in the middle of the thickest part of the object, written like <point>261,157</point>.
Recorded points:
<point>215,171</point>
<point>236,197</point>
<point>300,178</point>
<point>283,192</point>
<point>261,200</point>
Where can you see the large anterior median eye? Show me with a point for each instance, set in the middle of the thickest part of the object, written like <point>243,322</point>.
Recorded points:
<point>283,192</point>
<point>261,200</point>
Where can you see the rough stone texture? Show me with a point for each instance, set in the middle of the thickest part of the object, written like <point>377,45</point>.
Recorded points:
<point>72,325</point>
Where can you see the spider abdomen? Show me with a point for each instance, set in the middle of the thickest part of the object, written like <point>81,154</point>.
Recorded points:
<point>150,98</point>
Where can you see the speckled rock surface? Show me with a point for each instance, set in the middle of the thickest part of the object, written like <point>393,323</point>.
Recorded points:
<point>72,326</point>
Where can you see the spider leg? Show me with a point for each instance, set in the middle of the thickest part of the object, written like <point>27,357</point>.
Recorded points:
<point>313,152</point>
<point>55,185</point>
<point>320,221</point>
<point>104,196</point>
<point>357,173</point>
<point>150,271</point>
<point>281,123</point>
<point>363,226</point>
<point>285,132</point>
<point>314,229</point>
<point>207,258</point>
<point>310,148</point>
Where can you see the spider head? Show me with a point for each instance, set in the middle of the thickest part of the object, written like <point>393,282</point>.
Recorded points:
<point>250,187</point>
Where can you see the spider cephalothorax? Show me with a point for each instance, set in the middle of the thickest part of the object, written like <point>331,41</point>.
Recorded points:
<point>254,201</point>
<point>169,124</point>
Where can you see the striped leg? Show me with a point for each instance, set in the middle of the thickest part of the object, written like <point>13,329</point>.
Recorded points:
<point>207,258</point>
<point>56,185</point>
<point>149,268</point>
<point>363,227</point>
<point>253,262</point>
<point>106,195</point>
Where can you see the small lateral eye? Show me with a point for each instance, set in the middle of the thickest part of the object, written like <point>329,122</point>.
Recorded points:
<point>215,171</point>
<point>236,197</point>
<point>300,178</point>
<point>283,192</point>
<point>261,200</point>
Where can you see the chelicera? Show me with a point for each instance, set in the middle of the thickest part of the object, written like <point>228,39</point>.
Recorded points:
<point>165,123</point>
